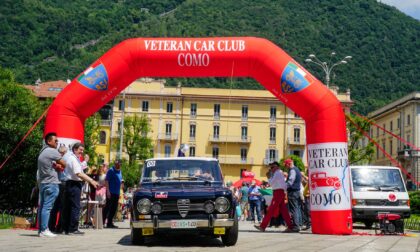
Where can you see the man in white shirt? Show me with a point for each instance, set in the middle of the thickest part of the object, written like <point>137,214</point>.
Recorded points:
<point>74,181</point>
<point>278,204</point>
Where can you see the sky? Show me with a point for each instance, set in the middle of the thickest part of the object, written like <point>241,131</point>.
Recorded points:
<point>409,7</point>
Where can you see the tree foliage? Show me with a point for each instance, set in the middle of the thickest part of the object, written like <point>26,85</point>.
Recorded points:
<point>59,39</point>
<point>19,110</point>
<point>297,161</point>
<point>92,130</point>
<point>359,151</point>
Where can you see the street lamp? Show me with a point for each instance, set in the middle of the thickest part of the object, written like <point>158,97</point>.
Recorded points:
<point>327,67</point>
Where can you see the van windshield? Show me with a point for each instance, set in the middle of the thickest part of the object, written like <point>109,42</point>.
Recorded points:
<point>377,180</point>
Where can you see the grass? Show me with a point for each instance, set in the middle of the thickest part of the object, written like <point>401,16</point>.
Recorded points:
<point>5,225</point>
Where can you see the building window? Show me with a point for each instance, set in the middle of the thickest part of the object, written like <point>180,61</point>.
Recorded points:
<point>193,112</point>
<point>101,159</point>
<point>216,131</point>
<point>377,152</point>
<point>192,130</point>
<point>273,113</point>
<point>168,129</point>
<point>391,127</point>
<point>192,151</point>
<point>244,133</point>
<point>102,137</point>
<point>272,135</point>
<point>217,111</point>
<point>243,154</point>
<point>244,112</point>
<point>296,135</point>
<point>383,148</point>
<point>377,132</point>
<point>384,128</point>
<point>390,147</point>
<point>297,116</point>
<point>119,126</point>
<point>398,123</point>
<point>296,153</point>
<point>272,155</point>
<point>408,120</point>
<point>371,132</point>
<point>216,152</point>
<point>120,105</point>
<point>145,106</point>
<point>167,150</point>
<point>169,107</point>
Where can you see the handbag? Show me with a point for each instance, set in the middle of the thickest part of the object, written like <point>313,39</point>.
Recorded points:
<point>100,195</point>
<point>238,211</point>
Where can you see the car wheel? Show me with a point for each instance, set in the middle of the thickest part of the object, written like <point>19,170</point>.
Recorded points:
<point>231,236</point>
<point>368,224</point>
<point>137,237</point>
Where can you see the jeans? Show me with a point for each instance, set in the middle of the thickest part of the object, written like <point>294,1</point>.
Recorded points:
<point>255,205</point>
<point>295,208</point>
<point>47,195</point>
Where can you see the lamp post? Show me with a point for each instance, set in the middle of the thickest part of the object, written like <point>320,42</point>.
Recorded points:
<point>122,128</point>
<point>327,66</point>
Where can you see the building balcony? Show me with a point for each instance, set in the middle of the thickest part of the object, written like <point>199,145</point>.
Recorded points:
<point>235,160</point>
<point>106,122</point>
<point>296,141</point>
<point>229,139</point>
<point>267,161</point>
<point>167,137</point>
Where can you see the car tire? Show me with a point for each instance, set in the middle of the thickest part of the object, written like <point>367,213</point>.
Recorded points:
<point>231,236</point>
<point>368,224</point>
<point>137,237</point>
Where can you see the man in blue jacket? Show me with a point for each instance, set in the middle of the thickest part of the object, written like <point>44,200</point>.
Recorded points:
<point>113,184</point>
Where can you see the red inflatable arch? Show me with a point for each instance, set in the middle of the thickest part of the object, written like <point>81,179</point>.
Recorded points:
<point>225,57</point>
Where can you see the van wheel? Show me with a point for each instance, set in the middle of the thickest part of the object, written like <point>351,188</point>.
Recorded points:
<point>368,224</point>
<point>231,236</point>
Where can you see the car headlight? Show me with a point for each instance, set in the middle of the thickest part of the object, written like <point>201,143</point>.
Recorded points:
<point>404,203</point>
<point>209,206</point>
<point>143,206</point>
<point>222,204</point>
<point>358,202</point>
<point>157,208</point>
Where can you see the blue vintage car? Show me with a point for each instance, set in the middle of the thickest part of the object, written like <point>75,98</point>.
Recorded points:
<point>183,195</point>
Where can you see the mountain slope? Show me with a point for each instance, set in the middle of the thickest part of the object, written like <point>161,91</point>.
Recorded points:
<point>58,39</point>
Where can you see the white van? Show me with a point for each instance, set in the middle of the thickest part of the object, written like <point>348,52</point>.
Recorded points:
<point>377,189</point>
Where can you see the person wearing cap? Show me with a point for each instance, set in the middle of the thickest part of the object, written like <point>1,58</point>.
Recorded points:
<point>293,182</point>
<point>113,189</point>
<point>278,203</point>
<point>255,201</point>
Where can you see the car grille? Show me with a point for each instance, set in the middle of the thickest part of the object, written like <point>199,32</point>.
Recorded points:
<point>382,203</point>
<point>182,206</point>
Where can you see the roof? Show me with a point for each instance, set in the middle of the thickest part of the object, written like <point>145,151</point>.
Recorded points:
<point>184,158</point>
<point>394,105</point>
<point>48,89</point>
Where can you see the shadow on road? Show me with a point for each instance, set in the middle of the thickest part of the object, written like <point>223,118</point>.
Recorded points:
<point>176,240</point>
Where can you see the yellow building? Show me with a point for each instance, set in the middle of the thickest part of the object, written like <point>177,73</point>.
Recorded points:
<point>244,129</point>
<point>402,118</point>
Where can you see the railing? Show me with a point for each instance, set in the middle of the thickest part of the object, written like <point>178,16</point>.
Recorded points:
<point>168,137</point>
<point>106,122</point>
<point>236,160</point>
<point>298,141</point>
<point>229,139</point>
<point>267,161</point>
<point>7,217</point>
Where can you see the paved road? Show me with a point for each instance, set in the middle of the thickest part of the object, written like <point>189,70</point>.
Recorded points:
<point>249,240</point>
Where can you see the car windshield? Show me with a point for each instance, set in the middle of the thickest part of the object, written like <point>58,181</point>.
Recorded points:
<point>377,180</point>
<point>181,170</point>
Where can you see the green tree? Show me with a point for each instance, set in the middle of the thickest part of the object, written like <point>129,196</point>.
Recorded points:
<point>358,153</point>
<point>131,173</point>
<point>297,161</point>
<point>92,130</point>
<point>19,110</point>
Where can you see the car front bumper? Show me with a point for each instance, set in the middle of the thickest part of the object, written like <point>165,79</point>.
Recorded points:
<point>157,224</point>
<point>361,213</point>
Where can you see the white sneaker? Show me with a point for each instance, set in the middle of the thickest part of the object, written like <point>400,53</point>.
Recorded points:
<point>46,233</point>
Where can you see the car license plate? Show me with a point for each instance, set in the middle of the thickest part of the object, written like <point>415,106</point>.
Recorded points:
<point>183,224</point>
<point>219,231</point>
<point>147,231</point>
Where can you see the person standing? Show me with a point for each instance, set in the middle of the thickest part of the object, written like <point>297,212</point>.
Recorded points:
<point>278,203</point>
<point>255,201</point>
<point>75,177</point>
<point>294,180</point>
<point>113,187</point>
<point>244,201</point>
<point>47,176</point>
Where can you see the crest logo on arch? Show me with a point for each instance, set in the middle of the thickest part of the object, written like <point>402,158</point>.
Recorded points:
<point>95,77</point>
<point>294,79</point>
